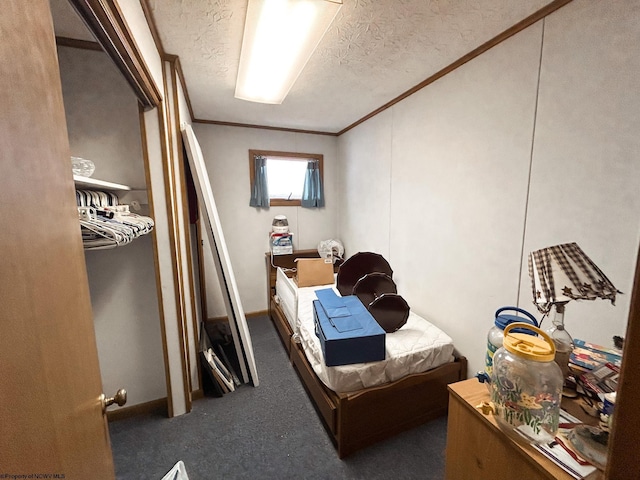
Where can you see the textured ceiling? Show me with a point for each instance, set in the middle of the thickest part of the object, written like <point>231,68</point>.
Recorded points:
<point>374,51</point>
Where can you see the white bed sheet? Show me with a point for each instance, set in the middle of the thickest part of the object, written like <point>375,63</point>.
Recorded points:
<point>416,347</point>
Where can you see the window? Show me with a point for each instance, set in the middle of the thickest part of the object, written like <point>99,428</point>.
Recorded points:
<point>285,175</point>
<point>285,178</point>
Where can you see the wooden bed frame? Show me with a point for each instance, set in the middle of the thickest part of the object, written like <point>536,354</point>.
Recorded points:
<point>358,419</point>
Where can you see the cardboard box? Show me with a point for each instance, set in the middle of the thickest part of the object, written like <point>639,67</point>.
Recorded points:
<point>314,271</point>
<point>347,331</point>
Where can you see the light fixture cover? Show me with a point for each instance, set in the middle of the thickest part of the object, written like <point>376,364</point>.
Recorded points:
<point>563,273</point>
<point>279,37</point>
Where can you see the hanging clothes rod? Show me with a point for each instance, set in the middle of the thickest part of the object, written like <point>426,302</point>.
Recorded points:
<point>107,224</point>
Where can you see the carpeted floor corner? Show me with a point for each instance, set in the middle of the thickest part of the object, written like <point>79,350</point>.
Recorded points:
<point>268,432</point>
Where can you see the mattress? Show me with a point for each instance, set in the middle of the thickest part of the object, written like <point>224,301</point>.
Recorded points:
<point>415,348</point>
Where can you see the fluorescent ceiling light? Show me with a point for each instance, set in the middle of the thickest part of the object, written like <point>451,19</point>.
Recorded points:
<point>279,37</point>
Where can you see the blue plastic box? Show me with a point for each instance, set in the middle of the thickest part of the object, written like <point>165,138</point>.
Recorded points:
<point>347,331</point>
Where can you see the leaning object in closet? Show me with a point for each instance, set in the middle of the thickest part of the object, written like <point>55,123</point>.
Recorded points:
<point>107,224</point>
<point>220,379</point>
<point>222,260</point>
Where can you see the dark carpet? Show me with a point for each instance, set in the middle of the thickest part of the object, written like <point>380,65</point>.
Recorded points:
<point>268,432</point>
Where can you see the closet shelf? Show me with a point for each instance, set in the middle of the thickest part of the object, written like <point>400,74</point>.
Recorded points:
<point>105,222</point>
<point>91,183</point>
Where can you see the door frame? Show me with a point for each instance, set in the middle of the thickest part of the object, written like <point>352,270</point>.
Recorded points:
<point>107,23</point>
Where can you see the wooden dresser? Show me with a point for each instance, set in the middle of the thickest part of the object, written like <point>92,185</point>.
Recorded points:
<point>477,449</point>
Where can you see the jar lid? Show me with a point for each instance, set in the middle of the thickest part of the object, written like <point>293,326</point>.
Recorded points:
<point>527,346</point>
<point>504,319</point>
<point>280,221</point>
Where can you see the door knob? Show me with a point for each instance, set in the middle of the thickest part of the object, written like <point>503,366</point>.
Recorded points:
<point>120,398</point>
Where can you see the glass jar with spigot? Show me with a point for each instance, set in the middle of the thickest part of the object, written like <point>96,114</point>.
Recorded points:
<point>526,384</point>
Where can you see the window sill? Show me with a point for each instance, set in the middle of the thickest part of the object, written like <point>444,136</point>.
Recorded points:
<point>281,202</point>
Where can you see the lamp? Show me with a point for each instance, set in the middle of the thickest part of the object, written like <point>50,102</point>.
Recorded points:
<point>558,275</point>
<point>279,37</point>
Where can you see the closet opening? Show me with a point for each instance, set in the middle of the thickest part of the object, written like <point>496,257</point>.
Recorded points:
<point>104,127</point>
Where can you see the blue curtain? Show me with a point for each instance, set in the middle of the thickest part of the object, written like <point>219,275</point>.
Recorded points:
<point>259,190</point>
<point>312,194</point>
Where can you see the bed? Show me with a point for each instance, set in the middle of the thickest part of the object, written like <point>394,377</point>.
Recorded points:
<point>376,409</point>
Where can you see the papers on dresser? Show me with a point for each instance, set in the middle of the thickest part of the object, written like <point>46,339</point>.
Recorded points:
<point>560,452</point>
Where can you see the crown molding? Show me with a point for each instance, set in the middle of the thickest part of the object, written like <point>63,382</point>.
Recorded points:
<point>263,127</point>
<point>511,31</point>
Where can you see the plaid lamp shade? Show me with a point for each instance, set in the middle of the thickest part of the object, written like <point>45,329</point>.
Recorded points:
<point>564,272</point>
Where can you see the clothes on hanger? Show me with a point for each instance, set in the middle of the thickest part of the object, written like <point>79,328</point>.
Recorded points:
<point>107,224</point>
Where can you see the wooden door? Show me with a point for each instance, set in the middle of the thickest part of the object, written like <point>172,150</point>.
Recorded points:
<point>50,412</point>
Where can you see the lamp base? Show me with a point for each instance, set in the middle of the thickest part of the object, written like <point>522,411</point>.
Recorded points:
<point>563,354</point>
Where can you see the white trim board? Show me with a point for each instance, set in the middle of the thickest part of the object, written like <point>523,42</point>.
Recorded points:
<point>213,227</point>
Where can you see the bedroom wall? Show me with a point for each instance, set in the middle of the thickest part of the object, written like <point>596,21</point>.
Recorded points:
<point>103,124</point>
<point>587,135</point>
<point>226,154</point>
<point>441,183</point>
